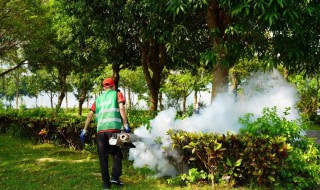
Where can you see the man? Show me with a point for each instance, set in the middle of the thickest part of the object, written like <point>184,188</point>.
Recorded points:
<point>110,113</point>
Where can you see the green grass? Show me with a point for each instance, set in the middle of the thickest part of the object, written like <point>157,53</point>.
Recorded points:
<point>24,165</point>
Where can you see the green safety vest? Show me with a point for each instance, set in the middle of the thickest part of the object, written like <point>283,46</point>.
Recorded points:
<point>107,111</point>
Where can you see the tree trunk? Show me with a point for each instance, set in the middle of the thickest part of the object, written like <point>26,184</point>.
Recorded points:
<point>235,83</point>
<point>82,98</point>
<point>63,88</point>
<point>195,99</point>
<point>116,76</point>
<point>184,102</point>
<point>286,74</point>
<point>160,101</point>
<point>80,107</point>
<point>66,101</point>
<point>51,100</point>
<point>37,96</point>
<point>154,91</point>
<point>220,79</point>
<point>17,89</point>
<point>153,59</point>
<point>129,98</point>
<point>83,91</point>
<point>60,99</point>
<point>218,19</point>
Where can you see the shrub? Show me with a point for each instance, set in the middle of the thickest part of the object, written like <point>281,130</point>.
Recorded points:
<point>62,130</point>
<point>193,176</point>
<point>271,124</point>
<point>301,169</point>
<point>270,152</point>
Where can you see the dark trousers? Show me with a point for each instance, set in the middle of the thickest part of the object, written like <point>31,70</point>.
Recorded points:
<point>104,149</point>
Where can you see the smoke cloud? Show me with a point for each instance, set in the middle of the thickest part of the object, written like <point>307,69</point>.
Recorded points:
<point>260,91</point>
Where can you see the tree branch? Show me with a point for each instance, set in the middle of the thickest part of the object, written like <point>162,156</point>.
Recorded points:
<point>13,68</point>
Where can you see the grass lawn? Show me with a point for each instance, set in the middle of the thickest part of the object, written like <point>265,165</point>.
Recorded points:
<point>24,166</point>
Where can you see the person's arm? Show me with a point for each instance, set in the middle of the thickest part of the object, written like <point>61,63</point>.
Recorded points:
<point>123,113</point>
<point>88,120</point>
<point>87,123</point>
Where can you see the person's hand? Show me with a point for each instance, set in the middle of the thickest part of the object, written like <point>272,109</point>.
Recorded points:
<point>126,128</point>
<point>82,134</point>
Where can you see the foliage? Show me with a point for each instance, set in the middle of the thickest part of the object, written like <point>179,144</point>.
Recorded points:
<point>271,124</point>
<point>270,152</point>
<point>302,152</point>
<point>19,22</point>
<point>62,129</point>
<point>46,81</point>
<point>309,90</point>
<point>179,85</point>
<point>293,40</point>
<point>303,171</point>
<point>131,81</point>
<point>264,157</point>
<point>138,118</point>
<point>193,176</point>
<point>276,32</point>
<point>42,126</point>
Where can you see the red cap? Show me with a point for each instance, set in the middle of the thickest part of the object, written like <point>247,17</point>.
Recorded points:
<point>109,82</point>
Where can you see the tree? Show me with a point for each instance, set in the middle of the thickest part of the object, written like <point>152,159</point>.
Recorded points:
<point>241,70</point>
<point>131,81</point>
<point>82,83</point>
<point>46,82</point>
<point>131,33</point>
<point>46,50</point>
<point>20,22</point>
<point>201,80</point>
<point>179,85</point>
<point>218,20</point>
<point>283,31</point>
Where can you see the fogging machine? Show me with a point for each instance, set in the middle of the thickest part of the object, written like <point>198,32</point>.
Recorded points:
<point>124,140</point>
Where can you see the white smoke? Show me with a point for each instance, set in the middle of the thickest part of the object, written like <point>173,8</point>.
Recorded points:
<point>261,91</point>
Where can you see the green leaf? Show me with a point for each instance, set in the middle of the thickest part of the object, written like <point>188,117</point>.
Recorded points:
<point>280,3</point>
<point>217,146</point>
<point>271,178</point>
<point>238,163</point>
<point>229,163</point>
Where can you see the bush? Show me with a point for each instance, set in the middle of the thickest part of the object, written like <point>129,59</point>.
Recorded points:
<point>193,176</point>
<point>270,152</point>
<point>301,169</point>
<point>271,124</point>
<point>40,125</point>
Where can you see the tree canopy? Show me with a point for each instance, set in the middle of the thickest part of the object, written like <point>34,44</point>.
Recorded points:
<point>81,38</point>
